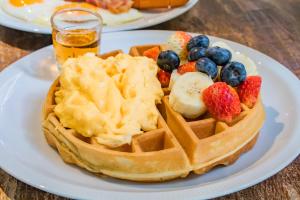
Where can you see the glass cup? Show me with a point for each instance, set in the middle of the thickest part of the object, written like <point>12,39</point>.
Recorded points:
<point>75,32</point>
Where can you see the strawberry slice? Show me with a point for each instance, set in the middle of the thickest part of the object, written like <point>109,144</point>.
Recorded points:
<point>222,101</point>
<point>249,90</point>
<point>188,67</point>
<point>178,42</point>
<point>152,53</point>
<point>164,78</point>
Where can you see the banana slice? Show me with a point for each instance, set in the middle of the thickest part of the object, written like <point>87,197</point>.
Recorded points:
<point>249,64</point>
<point>186,94</point>
<point>174,76</point>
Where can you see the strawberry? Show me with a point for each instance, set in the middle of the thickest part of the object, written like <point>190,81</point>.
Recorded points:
<point>249,90</point>
<point>164,78</point>
<point>188,67</point>
<point>222,101</point>
<point>152,53</point>
<point>178,42</point>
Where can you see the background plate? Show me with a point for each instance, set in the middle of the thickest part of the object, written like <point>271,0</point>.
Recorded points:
<point>150,18</point>
<point>25,154</point>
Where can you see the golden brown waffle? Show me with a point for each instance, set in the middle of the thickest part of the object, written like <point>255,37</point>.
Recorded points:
<point>153,156</point>
<point>148,4</point>
<point>173,150</point>
<point>207,142</point>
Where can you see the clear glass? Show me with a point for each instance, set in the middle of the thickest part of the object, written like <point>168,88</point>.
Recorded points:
<point>75,32</point>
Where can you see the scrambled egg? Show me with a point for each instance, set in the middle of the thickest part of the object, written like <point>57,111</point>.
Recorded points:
<point>110,100</point>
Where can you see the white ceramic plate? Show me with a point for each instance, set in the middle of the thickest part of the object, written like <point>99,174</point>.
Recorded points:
<point>25,154</point>
<point>150,18</point>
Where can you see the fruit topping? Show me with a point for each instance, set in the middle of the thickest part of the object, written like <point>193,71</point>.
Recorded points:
<point>234,73</point>
<point>174,76</point>
<point>249,64</point>
<point>208,67</point>
<point>164,78</point>
<point>196,53</point>
<point>178,42</point>
<point>168,61</point>
<point>219,55</point>
<point>187,67</point>
<point>222,101</point>
<point>152,53</point>
<point>249,90</point>
<point>198,41</point>
<point>186,92</point>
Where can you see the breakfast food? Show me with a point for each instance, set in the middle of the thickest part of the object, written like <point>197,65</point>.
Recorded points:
<point>185,97</point>
<point>177,42</point>
<point>249,90</point>
<point>202,121</point>
<point>154,155</point>
<point>108,100</point>
<point>40,11</point>
<point>145,4</point>
<point>231,113</point>
<point>222,102</point>
<point>114,6</point>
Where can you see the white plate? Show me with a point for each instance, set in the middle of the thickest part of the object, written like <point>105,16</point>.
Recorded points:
<point>150,18</point>
<point>25,154</point>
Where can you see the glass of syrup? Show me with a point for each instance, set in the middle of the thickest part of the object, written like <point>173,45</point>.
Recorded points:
<point>75,32</point>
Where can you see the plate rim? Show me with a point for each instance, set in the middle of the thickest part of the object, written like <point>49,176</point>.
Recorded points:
<point>243,184</point>
<point>32,28</point>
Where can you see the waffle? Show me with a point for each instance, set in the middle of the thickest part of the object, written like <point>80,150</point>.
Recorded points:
<point>152,156</point>
<point>148,4</point>
<point>208,142</point>
<point>176,148</point>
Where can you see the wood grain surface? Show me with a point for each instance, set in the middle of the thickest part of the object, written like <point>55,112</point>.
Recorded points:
<point>270,26</point>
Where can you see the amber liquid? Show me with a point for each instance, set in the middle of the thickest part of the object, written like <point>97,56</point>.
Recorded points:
<point>72,44</point>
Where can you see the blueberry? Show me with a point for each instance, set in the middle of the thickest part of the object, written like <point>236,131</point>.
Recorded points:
<point>234,73</point>
<point>198,41</point>
<point>219,55</point>
<point>208,67</point>
<point>196,53</point>
<point>168,60</point>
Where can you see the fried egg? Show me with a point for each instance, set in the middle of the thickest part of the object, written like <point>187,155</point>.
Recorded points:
<point>34,11</point>
<point>40,11</point>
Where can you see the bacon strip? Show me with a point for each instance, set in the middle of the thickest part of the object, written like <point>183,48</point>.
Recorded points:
<point>114,6</point>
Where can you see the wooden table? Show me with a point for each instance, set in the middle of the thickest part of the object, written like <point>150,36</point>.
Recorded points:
<point>270,26</point>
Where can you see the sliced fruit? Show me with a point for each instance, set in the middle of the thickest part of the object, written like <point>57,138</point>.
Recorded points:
<point>152,53</point>
<point>186,94</point>
<point>208,67</point>
<point>234,73</point>
<point>222,102</point>
<point>168,61</point>
<point>198,41</point>
<point>164,78</point>
<point>178,42</point>
<point>174,76</point>
<point>187,67</point>
<point>249,64</point>
<point>249,90</point>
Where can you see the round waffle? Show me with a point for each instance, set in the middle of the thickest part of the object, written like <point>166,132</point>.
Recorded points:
<point>173,150</point>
